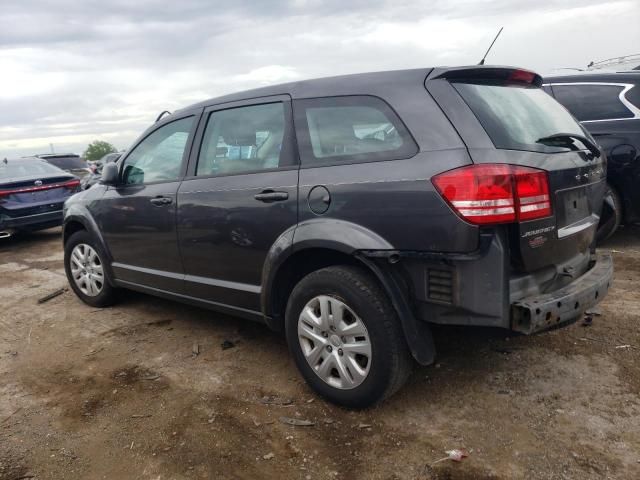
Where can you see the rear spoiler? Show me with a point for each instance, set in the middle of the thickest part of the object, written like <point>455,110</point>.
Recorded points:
<point>488,73</point>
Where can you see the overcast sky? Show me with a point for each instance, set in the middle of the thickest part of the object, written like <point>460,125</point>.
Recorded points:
<point>75,71</point>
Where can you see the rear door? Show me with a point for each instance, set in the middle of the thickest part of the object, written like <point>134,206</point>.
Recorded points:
<point>239,197</point>
<point>504,117</point>
<point>138,217</point>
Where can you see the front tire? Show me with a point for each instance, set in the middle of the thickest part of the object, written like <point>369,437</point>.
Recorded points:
<point>346,338</point>
<point>84,264</point>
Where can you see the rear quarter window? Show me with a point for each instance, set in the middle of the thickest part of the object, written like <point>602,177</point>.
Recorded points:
<point>593,102</point>
<point>354,129</point>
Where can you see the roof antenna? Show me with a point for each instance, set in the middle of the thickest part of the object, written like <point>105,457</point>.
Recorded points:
<point>489,49</point>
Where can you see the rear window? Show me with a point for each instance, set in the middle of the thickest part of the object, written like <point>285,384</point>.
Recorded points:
<point>27,168</point>
<point>593,102</point>
<point>633,96</point>
<point>67,163</point>
<point>336,130</point>
<point>516,118</point>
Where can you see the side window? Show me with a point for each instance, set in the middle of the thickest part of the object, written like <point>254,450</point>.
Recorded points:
<point>244,139</point>
<point>633,96</point>
<point>592,102</point>
<point>350,129</point>
<point>159,156</point>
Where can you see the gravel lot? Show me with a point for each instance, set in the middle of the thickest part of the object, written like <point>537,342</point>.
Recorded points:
<point>146,390</point>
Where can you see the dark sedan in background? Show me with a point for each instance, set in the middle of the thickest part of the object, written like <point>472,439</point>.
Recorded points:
<point>32,193</point>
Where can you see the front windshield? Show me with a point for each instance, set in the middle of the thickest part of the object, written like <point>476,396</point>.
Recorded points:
<point>518,117</point>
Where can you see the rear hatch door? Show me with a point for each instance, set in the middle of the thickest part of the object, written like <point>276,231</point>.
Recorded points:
<point>504,117</point>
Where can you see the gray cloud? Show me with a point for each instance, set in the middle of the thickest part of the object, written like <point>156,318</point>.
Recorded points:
<point>73,71</point>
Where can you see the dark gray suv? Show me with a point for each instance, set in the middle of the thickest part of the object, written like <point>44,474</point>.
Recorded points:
<point>352,212</point>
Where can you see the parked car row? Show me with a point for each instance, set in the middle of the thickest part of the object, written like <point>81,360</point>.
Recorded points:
<point>69,162</point>
<point>32,194</point>
<point>96,170</point>
<point>353,212</point>
<point>33,189</point>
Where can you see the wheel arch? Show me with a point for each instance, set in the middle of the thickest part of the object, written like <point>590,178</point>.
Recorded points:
<point>296,255</point>
<point>306,247</point>
<point>78,219</point>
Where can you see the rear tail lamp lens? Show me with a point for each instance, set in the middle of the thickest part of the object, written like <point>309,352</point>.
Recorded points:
<point>496,193</point>
<point>521,76</point>
<point>70,185</point>
<point>532,193</point>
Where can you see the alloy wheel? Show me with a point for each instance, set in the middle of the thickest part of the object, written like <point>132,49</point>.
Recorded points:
<point>86,269</point>
<point>335,342</point>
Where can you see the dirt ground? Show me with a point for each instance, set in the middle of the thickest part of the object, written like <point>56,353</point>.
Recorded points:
<point>120,393</point>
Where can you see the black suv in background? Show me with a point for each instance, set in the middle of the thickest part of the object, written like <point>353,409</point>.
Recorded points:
<point>69,162</point>
<point>352,212</point>
<point>608,105</point>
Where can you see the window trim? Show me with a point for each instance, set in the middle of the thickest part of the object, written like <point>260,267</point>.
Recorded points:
<point>305,148</point>
<point>289,136</point>
<point>185,155</point>
<point>621,96</point>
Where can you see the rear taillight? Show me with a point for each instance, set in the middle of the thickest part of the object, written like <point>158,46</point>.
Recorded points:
<point>532,193</point>
<point>496,193</point>
<point>70,185</point>
<point>521,76</point>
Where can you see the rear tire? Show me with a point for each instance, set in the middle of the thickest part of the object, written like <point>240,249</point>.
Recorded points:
<point>355,355</point>
<point>84,264</point>
<point>611,214</point>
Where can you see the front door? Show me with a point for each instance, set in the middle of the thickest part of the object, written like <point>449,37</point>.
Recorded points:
<point>239,197</point>
<point>138,216</point>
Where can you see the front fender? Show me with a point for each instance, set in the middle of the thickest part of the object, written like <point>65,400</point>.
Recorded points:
<point>77,212</point>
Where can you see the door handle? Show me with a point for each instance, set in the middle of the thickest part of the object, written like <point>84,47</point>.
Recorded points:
<point>160,201</point>
<point>268,196</point>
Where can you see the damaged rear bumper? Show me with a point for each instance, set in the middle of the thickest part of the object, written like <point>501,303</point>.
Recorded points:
<point>541,312</point>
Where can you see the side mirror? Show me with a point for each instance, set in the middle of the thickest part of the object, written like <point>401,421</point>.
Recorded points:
<point>109,174</point>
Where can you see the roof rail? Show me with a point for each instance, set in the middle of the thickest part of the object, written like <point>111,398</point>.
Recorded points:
<point>616,61</point>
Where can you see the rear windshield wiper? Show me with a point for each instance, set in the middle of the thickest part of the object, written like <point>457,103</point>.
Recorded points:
<point>570,137</point>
